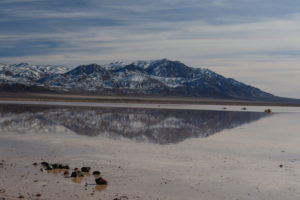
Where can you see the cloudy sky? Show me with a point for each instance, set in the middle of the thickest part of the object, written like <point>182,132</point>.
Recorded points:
<point>253,41</point>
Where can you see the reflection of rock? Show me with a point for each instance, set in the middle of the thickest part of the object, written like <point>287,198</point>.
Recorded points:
<point>154,125</point>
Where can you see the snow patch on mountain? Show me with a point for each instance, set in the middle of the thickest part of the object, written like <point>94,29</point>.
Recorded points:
<point>28,74</point>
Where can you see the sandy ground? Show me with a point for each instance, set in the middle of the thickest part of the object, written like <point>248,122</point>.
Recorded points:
<point>243,108</point>
<point>138,99</point>
<point>260,160</point>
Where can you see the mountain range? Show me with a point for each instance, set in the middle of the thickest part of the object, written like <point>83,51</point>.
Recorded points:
<point>154,78</point>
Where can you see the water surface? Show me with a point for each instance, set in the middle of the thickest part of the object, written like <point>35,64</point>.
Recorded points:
<point>153,152</point>
<point>160,126</point>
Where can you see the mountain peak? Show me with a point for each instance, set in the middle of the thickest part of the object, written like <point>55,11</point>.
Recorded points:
<point>87,69</point>
<point>168,68</point>
<point>22,65</point>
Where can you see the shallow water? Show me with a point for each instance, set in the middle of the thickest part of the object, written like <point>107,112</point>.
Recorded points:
<point>160,126</point>
<point>148,153</point>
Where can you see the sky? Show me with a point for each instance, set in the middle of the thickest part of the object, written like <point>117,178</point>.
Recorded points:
<point>253,41</point>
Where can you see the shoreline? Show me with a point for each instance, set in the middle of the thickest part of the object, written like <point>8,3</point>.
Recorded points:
<point>43,97</point>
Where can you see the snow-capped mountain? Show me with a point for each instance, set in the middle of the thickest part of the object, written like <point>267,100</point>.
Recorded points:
<point>157,77</point>
<point>28,74</point>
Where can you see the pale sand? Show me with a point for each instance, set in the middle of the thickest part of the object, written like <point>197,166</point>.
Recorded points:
<point>221,107</point>
<point>242,163</point>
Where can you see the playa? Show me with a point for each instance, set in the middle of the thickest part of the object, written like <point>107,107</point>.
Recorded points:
<point>257,158</point>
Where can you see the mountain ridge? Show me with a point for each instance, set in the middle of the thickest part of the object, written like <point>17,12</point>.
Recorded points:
<point>158,77</point>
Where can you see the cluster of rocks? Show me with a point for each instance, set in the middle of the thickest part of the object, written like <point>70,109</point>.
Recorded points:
<point>48,166</point>
<point>76,173</point>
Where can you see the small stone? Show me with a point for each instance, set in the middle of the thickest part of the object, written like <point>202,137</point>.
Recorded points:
<point>35,164</point>
<point>66,173</point>
<point>85,169</point>
<point>97,173</point>
<point>21,197</point>
<point>38,195</point>
<point>55,166</point>
<point>44,164</point>
<point>74,174</point>
<point>268,111</point>
<point>281,166</point>
<point>77,174</point>
<point>100,181</point>
<point>66,167</point>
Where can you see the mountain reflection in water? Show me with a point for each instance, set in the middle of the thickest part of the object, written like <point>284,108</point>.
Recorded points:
<point>160,126</point>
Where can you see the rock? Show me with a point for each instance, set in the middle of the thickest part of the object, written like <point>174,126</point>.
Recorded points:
<point>281,166</point>
<point>21,197</point>
<point>45,164</point>
<point>49,168</point>
<point>74,174</point>
<point>268,111</point>
<point>35,164</point>
<point>66,167</point>
<point>38,195</point>
<point>55,166</point>
<point>66,173</point>
<point>97,173</point>
<point>100,181</point>
<point>77,174</point>
<point>85,169</point>
<point>121,198</point>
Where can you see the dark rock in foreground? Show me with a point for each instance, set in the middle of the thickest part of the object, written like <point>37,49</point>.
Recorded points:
<point>96,173</point>
<point>85,169</point>
<point>100,181</point>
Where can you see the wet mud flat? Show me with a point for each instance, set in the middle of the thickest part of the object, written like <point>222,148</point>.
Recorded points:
<point>149,154</point>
